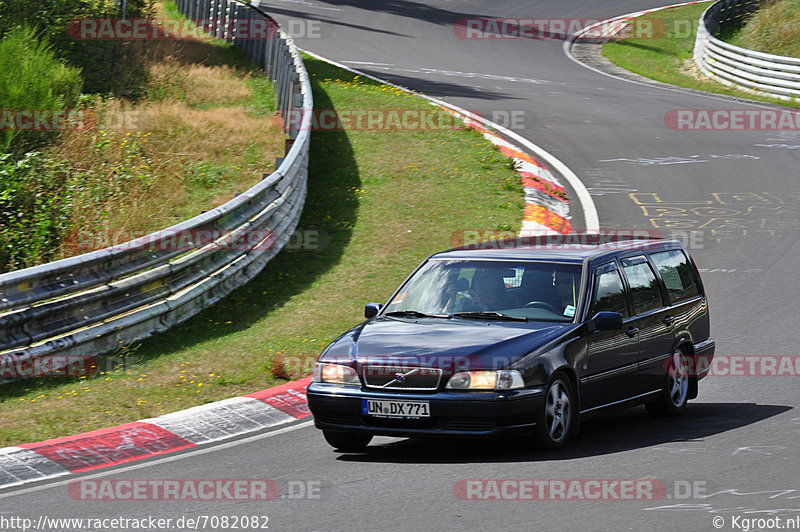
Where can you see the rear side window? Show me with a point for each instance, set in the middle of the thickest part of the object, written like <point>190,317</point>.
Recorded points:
<point>644,286</point>
<point>610,294</point>
<point>677,274</point>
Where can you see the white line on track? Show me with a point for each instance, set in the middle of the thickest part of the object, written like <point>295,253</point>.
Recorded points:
<point>370,63</point>
<point>164,459</point>
<point>309,4</point>
<point>460,74</point>
<point>591,220</point>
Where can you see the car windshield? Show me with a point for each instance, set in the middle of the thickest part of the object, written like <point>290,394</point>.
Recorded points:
<point>541,291</point>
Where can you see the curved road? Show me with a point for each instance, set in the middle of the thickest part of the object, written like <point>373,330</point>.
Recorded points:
<point>733,454</point>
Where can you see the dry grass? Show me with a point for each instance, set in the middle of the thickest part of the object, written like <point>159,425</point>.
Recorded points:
<point>204,133</point>
<point>773,29</point>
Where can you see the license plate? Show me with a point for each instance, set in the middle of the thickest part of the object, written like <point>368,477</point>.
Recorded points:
<point>408,409</point>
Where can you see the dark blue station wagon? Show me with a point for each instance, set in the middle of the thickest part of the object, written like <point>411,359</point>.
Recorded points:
<point>483,342</point>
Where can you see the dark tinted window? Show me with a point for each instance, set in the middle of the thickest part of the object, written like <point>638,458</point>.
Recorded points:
<point>609,294</point>
<point>677,274</point>
<point>644,287</point>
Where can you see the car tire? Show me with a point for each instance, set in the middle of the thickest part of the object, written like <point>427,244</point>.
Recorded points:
<point>556,421</point>
<point>347,441</point>
<point>675,390</point>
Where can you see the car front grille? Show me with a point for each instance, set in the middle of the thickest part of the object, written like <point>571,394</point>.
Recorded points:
<point>401,378</point>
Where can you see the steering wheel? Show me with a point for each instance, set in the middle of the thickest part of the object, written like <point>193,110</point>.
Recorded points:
<point>542,304</point>
<point>471,301</point>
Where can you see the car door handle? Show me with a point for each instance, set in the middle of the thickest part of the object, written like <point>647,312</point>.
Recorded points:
<point>669,320</point>
<point>632,331</point>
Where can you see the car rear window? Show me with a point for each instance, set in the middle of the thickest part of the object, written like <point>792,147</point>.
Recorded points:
<point>677,274</point>
<point>643,283</point>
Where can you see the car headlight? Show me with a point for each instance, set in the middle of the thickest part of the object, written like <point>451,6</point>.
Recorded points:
<point>334,374</point>
<point>504,379</point>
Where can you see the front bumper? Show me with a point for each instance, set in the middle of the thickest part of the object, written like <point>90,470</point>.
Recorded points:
<point>453,413</point>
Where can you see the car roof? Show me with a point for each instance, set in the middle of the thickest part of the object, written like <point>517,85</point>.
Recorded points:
<point>582,250</point>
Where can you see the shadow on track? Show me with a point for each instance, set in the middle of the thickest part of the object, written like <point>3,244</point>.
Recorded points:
<point>298,15</point>
<point>440,89</point>
<point>408,9</point>
<point>613,433</point>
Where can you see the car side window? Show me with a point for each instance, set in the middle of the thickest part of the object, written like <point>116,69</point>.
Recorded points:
<point>609,294</point>
<point>643,284</point>
<point>676,272</point>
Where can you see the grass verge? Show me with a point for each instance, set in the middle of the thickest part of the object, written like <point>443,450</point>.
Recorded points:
<point>668,58</point>
<point>379,201</point>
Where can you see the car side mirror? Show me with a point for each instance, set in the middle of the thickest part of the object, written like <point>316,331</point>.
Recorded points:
<point>372,309</point>
<point>606,321</point>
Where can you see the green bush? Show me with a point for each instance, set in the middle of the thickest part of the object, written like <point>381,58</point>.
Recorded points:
<point>33,79</point>
<point>52,17</point>
<point>35,206</point>
<point>109,67</point>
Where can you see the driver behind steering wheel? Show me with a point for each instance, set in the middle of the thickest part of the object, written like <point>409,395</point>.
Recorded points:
<point>488,291</point>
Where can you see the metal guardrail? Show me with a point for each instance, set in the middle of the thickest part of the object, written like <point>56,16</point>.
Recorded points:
<point>89,304</point>
<point>775,75</point>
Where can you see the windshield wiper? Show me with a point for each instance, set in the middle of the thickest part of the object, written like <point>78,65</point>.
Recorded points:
<point>490,316</point>
<point>415,314</point>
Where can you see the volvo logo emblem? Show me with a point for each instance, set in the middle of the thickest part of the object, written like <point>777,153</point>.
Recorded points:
<point>400,377</point>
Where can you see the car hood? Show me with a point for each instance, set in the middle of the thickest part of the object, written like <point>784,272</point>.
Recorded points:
<point>442,343</point>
